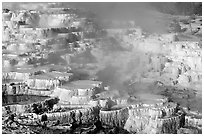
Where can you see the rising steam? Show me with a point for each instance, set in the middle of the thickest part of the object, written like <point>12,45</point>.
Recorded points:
<point>117,65</point>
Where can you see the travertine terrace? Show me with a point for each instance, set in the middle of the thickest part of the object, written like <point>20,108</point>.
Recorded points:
<point>51,82</point>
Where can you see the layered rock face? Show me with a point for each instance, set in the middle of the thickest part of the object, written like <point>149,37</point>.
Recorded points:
<point>34,36</point>
<point>77,92</point>
<point>172,62</point>
<point>13,87</point>
<point>114,116</point>
<point>84,115</point>
<point>42,82</point>
<point>33,44</point>
<point>153,116</point>
<point>36,107</point>
<point>186,64</point>
<point>146,114</point>
<point>167,61</point>
<point>36,56</point>
<point>193,120</point>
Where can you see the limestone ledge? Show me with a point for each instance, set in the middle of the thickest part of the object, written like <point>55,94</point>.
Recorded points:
<point>49,30</point>
<point>38,92</point>
<point>62,76</point>
<point>20,74</point>
<point>42,82</point>
<point>145,125</point>
<point>188,131</point>
<point>114,117</point>
<point>13,87</point>
<point>84,115</point>
<point>35,107</point>
<point>193,121</point>
<point>74,94</point>
<point>167,109</point>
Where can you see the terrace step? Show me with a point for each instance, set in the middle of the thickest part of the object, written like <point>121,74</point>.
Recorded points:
<point>75,93</point>
<point>114,116</point>
<point>31,105</point>
<point>84,115</point>
<point>42,81</point>
<point>145,125</point>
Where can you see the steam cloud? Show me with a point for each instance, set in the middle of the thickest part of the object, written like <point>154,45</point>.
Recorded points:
<point>117,65</point>
<point>144,14</point>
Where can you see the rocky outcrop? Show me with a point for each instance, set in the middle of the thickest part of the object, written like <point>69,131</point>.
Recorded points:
<point>153,116</point>
<point>120,101</point>
<point>42,82</point>
<point>84,116</point>
<point>115,116</point>
<point>22,74</point>
<point>63,94</point>
<point>63,77</point>
<point>193,121</point>
<point>168,109</point>
<point>13,87</point>
<point>80,99</point>
<point>37,107</point>
<point>77,92</point>
<point>188,131</point>
<point>37,92</point>
<point>139,124</point>
<point>173,62</point>
<point>57,20</point>
<point>71,95</point>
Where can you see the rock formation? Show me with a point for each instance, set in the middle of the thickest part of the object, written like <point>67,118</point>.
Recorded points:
<point>43,86</point>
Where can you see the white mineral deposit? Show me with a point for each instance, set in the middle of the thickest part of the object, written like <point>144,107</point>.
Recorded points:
<point>101,68</point>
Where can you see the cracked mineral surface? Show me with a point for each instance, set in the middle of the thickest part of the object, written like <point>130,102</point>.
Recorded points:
<point>66,70</point>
